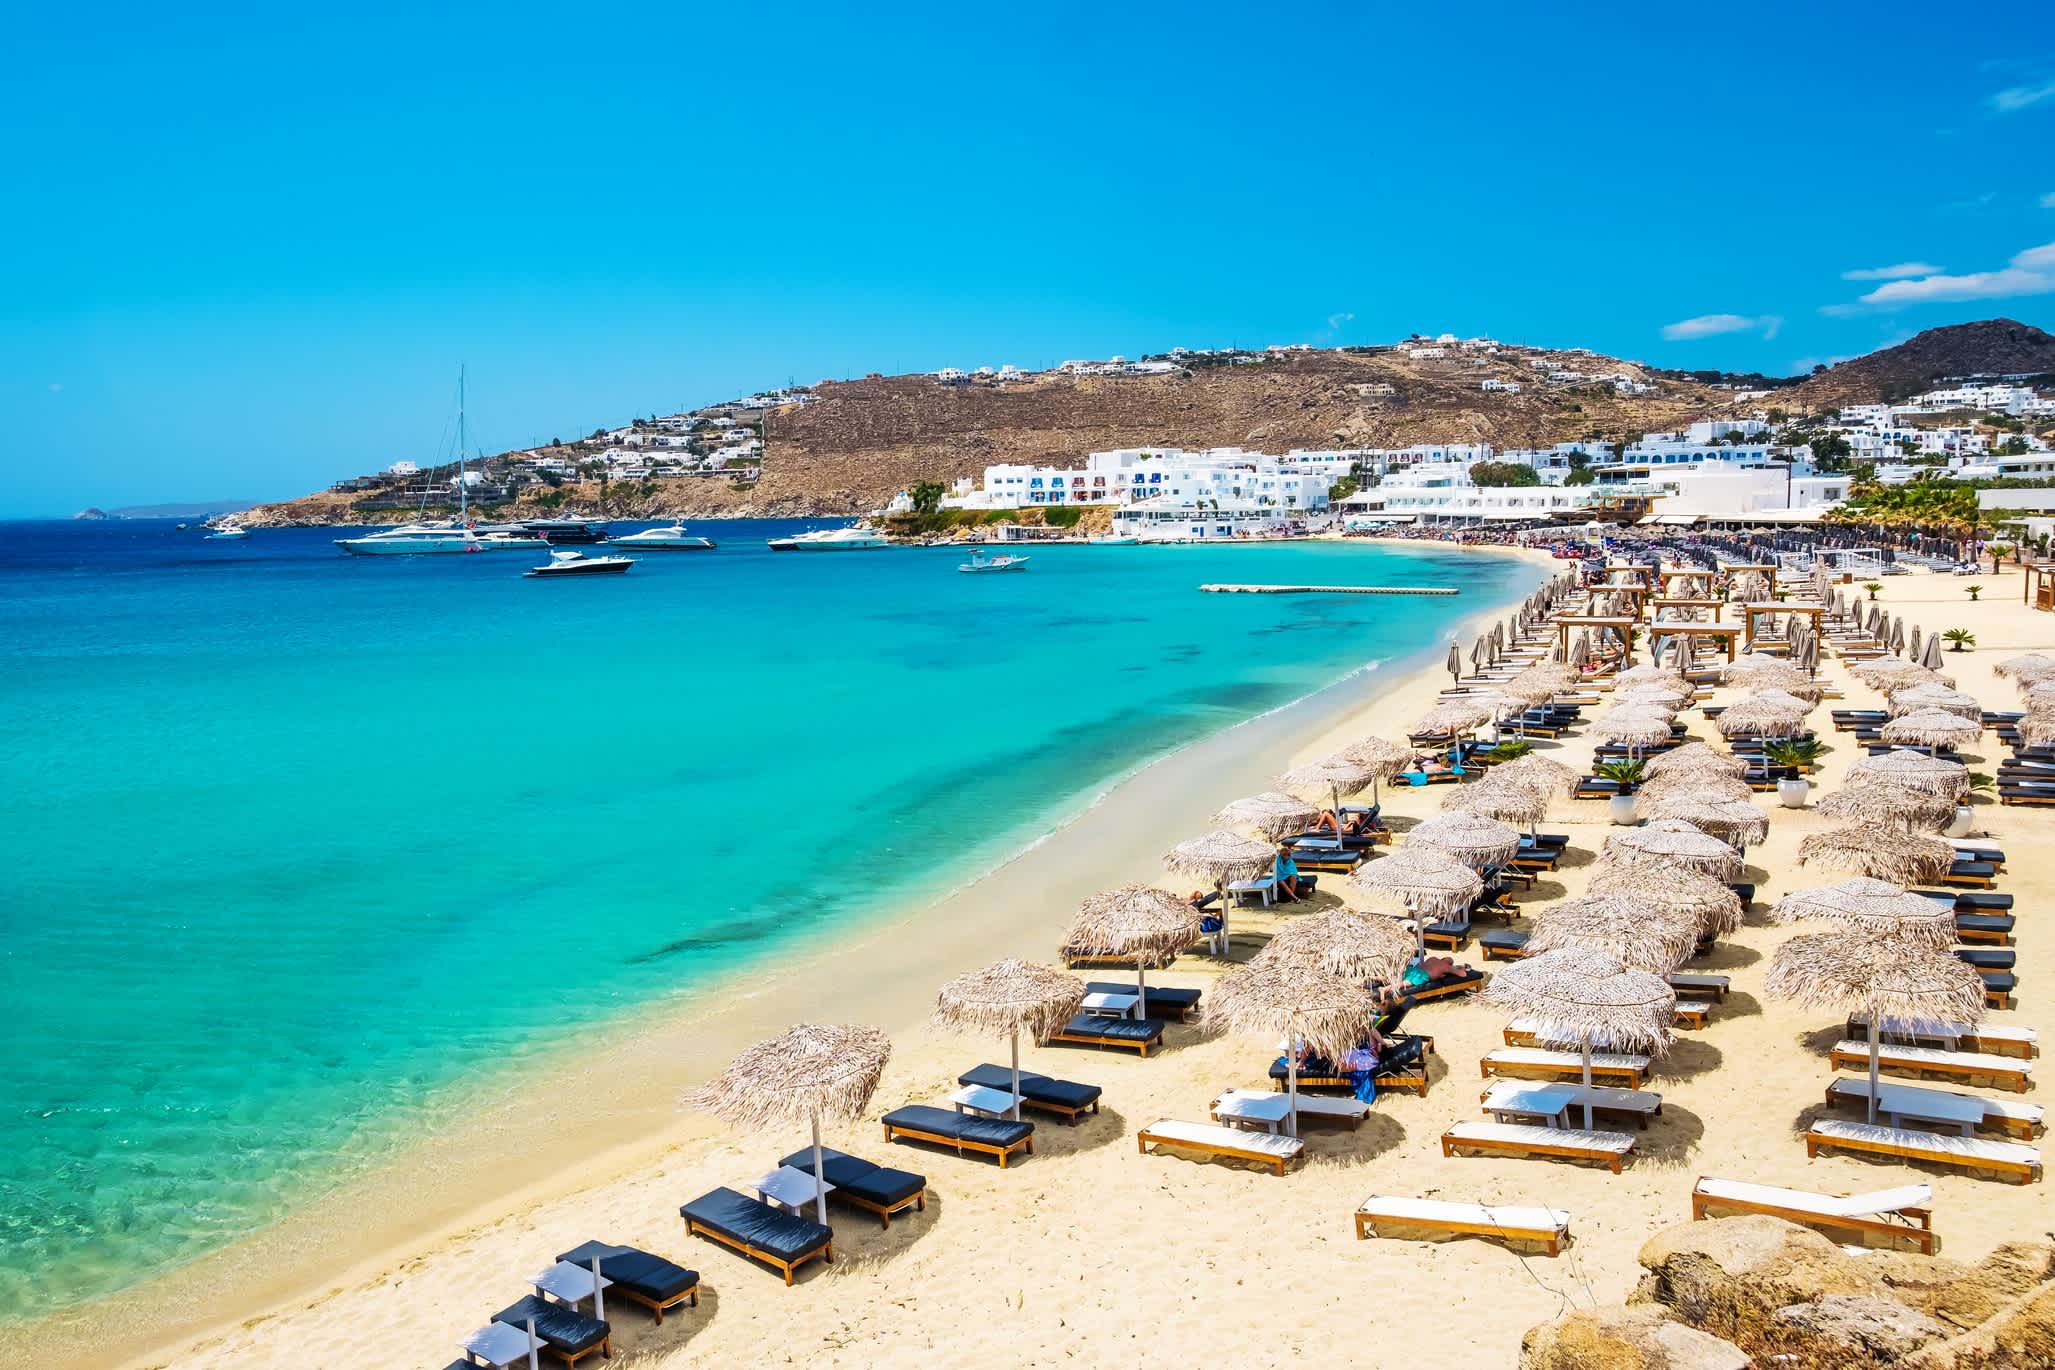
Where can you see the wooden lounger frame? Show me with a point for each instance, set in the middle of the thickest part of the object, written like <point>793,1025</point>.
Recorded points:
<point>1414,1080</point>
<point>826,1251</point>
<point>2017,1173</point>
<point>1921,1236</point>
<point>1450,1141</point>
<point>657,1306</point>
<point>2019,1129</point>
<point>1622,1077</point>
<point>918,1202</point>
<point>1276,1163</point>
<point>1027,1143</point>
<point>1442,991</point>
<point>1140,1044</point>
<point>1547,1236</point>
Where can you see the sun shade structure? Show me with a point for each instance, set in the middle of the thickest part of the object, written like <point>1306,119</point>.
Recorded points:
<point>1883,853</point>
<point>1633,728</point>
<point>1221,857</point>
<point>1429,884</point>
<point>1455,716</point>
<point>1869,905</point>
<point>1584,998</point>
<point>1669,844</point>
<point>1546,773</point>
<point>2026,667</point>
<point>1932,728</point>
<point>1694,758</point>
<point>1006,997</point>
<point>1269,815</point>
<point>1671,786</point>
<point>1737,822</point>
<point>1345,944</point>
<point>1914,771</point>
<point>1326,1013</point>
<point>1885,977</point>
<point>812,1071</point>
<point>1920,697</point>
<point>1763,715</point>
<point>1635,676</point>
<point>1711,905</point>
<point>1506,799</point>
<point>1139,923</point>
<point>1881,803</point>
<point>1474,840</point>
<point>1752,671</point>
<point>1653,698</point>
<point>1333,777</point>
<point>1638,935</point>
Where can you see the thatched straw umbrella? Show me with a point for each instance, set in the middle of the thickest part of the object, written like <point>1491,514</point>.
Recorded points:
<point>1454,717</point>
<point>812,1071</point>
<point>1149,925</point>
<point>1760,671</point>
<point>1715,909</point>
<point>1895,673</point>
<point>1511,799</point>
<point>1913,771</point>
<point>1869,905</point>
<point>1913,698</point>
<point>2037,729</point>
<point>1221,857</point>
<point>1633,728</point>
<point>1696,758</point>
<point>1880,803</point>
<point>1643,936</point>
<point>1654,698</point>
<point>1328,1014</point>
<point>1884,977</point>
<point>2028,666</point>
<point>1932,729</point>
<point>1737,822</point>
<point>1006,997</point>
<point>1674,785</point>
<point>1334,776</point>
<point>1660,677</point>
<point>1270,815</point>
<point>1383,757</point>
<point>1345,944</point>
<point>1669,844</point>
<point>1885,853</point>
<point>1581,997</point>
<point>1544,773</point>
<point>2038,693</point>
<point>1759,717</point>
<point>1474,840</point>
<point>1430,884</point>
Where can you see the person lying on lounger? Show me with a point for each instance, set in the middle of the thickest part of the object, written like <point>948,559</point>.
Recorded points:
<point>1428,764</point>
<point>1287,872</point>
<point>1344,825</point>
<point>1432,970</point>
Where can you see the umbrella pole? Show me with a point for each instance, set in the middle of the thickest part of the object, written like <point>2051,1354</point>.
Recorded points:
<point>1016,1075</point>
<point>1587,1082</point>
<point>1291,1071</point>
<point>533,1342</point>
<point>1221,886</point>
<point>599,1293</point>
<point>820,1189</point>
<point>1874,1018</point>
<point>1141,991</point>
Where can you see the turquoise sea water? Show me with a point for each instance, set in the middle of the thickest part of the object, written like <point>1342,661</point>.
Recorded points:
<point>296,845</point>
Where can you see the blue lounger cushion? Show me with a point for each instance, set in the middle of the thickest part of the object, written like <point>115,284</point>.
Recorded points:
<point>562,1327</point>
<point>1996,924</point>
<point>961,1127</point>
<point>1164,1001</point>
<point>785,1235</point>
<point>1114,1029</point>
<point>859,1178</point>
<point>1973,870</point>
<point>1034,1088</point>
<point>638,1272</point>
<point>1997,958</point>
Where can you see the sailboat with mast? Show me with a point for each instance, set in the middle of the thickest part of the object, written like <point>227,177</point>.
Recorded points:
<point>452,535</point>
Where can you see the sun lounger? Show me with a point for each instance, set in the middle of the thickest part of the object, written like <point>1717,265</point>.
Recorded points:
<point>1979,874</point>
<point>758,1230</point>
<point>1545,1225</point>
<point>1519,1139</point>
<point>997,1137</point>
<point>1319,1108</point>
<point>1998,1039</point>
<point>1338,860</point>
<point>2020,1164</point>
<point>2009,1116</point>
<point>2010,1071</point>
<point>1449,934</point>
<point>863,1183</point>
<point>570,1335</point>
<point>1103,1030</point>
<point>1064,1097</point>
<point>1537,1062</point>
<point>1900,1213</point>
<point>1165,1002</point>
<point>1211,1139</point>
<point>1989,929</point>
<point>1448,986</point>
<point>652,1281</point>
<point>1503,944</point>
<point>1403,1066</point>
<point>1703,986</point>
<point>1635,1105</point>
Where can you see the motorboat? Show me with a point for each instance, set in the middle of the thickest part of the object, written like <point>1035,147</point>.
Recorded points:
<point>423,539</point>
<point>858,538</point>
<point>227,532</point>
<point>1111,540</point>
<point>578,564</point>
<point>980,562</point>
<point>672,538</point>
<point>560,530</point>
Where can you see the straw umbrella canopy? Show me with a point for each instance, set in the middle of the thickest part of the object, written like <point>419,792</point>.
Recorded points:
<point>2037,729</point>
<point>1344,944</point>
<point>1453,716</point>
<point>1879,803</point>
<point>812,1071</point>
<point>1639,935</point>
<point>2027,666</point>
<point>1005,997</point>
<point>1659,698</point>
<point>1885,977</point>
<point>1736,822</point>
<point>1870,905</point>
<point>1136,921</point>
<point>1221,857</point>
<point>1696,758</point>
<point>1761,715</point>
<point>1752,671</point>
<point>1384,758</point>
<point>2038,693</point>
<point>1545,773</point>
<point>1634,728</point>
<point>1470,838</point>
<point>1671,785</point>
<point>1269,815</point>
<point>1430,884</point>
<point>1893,673</point>
<point>1669,844</point>
<point>1916,697</point>
<point>1328,1014</point>
<point>1582,997</point>
<point>1914,771</point>
<point>1661,678</point>
<point>1932,729</point>
<point>1507,799</point>
<point>1333,776</point>
<point>1715,909</point>
<point>1885,853</point>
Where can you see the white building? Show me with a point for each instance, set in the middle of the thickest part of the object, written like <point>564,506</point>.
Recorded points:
<point>1300,481</point>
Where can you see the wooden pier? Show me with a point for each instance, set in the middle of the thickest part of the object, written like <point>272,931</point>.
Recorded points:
<point>1330,590</point>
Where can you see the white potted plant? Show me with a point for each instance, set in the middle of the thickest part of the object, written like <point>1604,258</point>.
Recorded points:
<point>1965,816</point>
<point>1801,756</point>
<point>1622,807</point>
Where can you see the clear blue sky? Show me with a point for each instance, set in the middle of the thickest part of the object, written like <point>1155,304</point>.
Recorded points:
<point>246,248</point>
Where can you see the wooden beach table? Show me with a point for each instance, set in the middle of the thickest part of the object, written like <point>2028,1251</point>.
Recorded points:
<point>501,1345</point>
<point>2012,1117</point>
<point>1635,1105</point>
<point>1545,1225</point>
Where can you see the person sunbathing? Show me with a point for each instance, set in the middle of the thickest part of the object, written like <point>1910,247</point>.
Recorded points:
<point>1343,825</point>
<point>1430,970</point>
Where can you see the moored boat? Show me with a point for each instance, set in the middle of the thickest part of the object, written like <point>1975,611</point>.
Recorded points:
<point>578,564</point>
<point>856,538</point>
<point>670,538</point>
<point>980,562</point>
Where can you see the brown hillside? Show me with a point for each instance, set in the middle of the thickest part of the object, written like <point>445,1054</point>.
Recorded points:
<point>1999,347</point>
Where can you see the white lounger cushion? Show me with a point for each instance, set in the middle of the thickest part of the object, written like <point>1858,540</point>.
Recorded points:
<point>1477,1130</point>
<point>1542,1056</point>
<point>1213,1137</point>
<point>1993,1108</point>
<point>1599,1096</point>
<point>1936,1058</point>
<point>1401,1210</point>
<point>1324,1106</point>
<point>1826,1205</point>
<point>1972,1150</point>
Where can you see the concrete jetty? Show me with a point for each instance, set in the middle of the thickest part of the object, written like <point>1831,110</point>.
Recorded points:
<point>1330,590</point>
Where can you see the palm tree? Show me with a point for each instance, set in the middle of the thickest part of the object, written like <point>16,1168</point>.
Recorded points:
<point>1963,638</point>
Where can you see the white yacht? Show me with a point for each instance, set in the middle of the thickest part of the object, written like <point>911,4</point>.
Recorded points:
<point>669,539</point>
<point>227,532</point>
<point>859,538</point>
<point>980,562</point>
<point>416,539</point>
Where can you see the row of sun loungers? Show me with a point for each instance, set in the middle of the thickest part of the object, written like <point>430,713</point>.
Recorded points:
<point>2009,1071</point>
<point>758,1230</point>
<point>2021,1164</point>
<point>1525,1139</point>
<point>1543,1064</point>
<point>2012,1117</point>
<point>556,1325</point>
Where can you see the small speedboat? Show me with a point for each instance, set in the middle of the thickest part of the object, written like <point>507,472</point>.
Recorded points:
<point>1111,540</point>
<point>980,562</point>
<point>228,532</point>
<point>578,564</point>
<point>671,539</point>
<point>859,537</point>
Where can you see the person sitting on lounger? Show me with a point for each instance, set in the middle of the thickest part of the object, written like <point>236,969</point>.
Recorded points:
<point>1349,825</point>
<point>1209,923</point>
<point>1287,872</point>
<point>1428,764</point>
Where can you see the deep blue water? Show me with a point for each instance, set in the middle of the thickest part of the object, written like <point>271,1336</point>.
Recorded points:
<point>297,845</point>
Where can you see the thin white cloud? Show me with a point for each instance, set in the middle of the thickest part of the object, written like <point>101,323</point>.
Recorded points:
<point>2048,200</point>
<point>56,386</point>
<point>1892,273</point>
<point>1713,325</point>
<point>1335,321</point>
<point>2015,98</point>
<point>2031,272</point>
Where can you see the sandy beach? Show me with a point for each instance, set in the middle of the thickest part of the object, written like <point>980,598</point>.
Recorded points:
<point>1088,1252</point>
